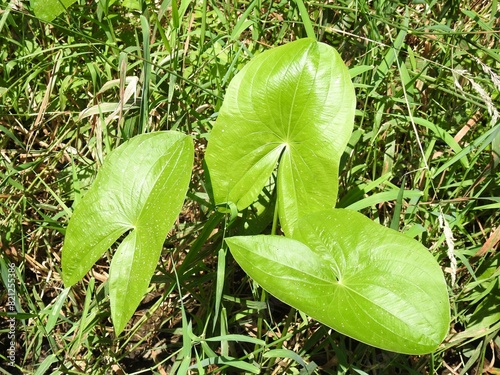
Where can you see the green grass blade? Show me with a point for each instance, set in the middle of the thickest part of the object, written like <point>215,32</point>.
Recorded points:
<point>304,15</point>
<point>146,76</point>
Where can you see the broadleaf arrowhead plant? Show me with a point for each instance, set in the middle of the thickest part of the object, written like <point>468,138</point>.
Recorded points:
<point>360,278</point>
<point>293,104</point>
<point>291,109</point>
<point>139,191</point>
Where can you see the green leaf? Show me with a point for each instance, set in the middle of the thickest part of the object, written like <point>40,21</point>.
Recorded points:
<point>139,191</point>
<point>293,104</point>
<point>362,279</point>
<point>47,10</point>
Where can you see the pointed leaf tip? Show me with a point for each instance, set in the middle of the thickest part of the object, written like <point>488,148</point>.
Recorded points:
<point>139,192</point>
<point>47,10</point>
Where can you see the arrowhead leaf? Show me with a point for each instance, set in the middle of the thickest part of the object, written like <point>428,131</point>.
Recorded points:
<point>139,192</point>
<point>362,279</point>
<point>47,10</point>
<point>293,104</point>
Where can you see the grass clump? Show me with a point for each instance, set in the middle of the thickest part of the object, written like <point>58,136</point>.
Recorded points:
<point>423,159</point>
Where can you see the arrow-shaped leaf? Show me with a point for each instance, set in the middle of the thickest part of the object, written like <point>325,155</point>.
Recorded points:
<point>139,191</point>
<point>360,278</point>
<point>294,103</point>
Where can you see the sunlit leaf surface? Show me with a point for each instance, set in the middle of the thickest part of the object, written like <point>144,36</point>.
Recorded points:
<point>293,104</point>
<point>47,10</point>
<point>362,279</point>
<point>138,193</point>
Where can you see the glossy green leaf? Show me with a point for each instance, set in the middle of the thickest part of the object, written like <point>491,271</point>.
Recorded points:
<point>364,280</point>
<point>47,10</point>
<point>293,104</point>
<point>139,192</point>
